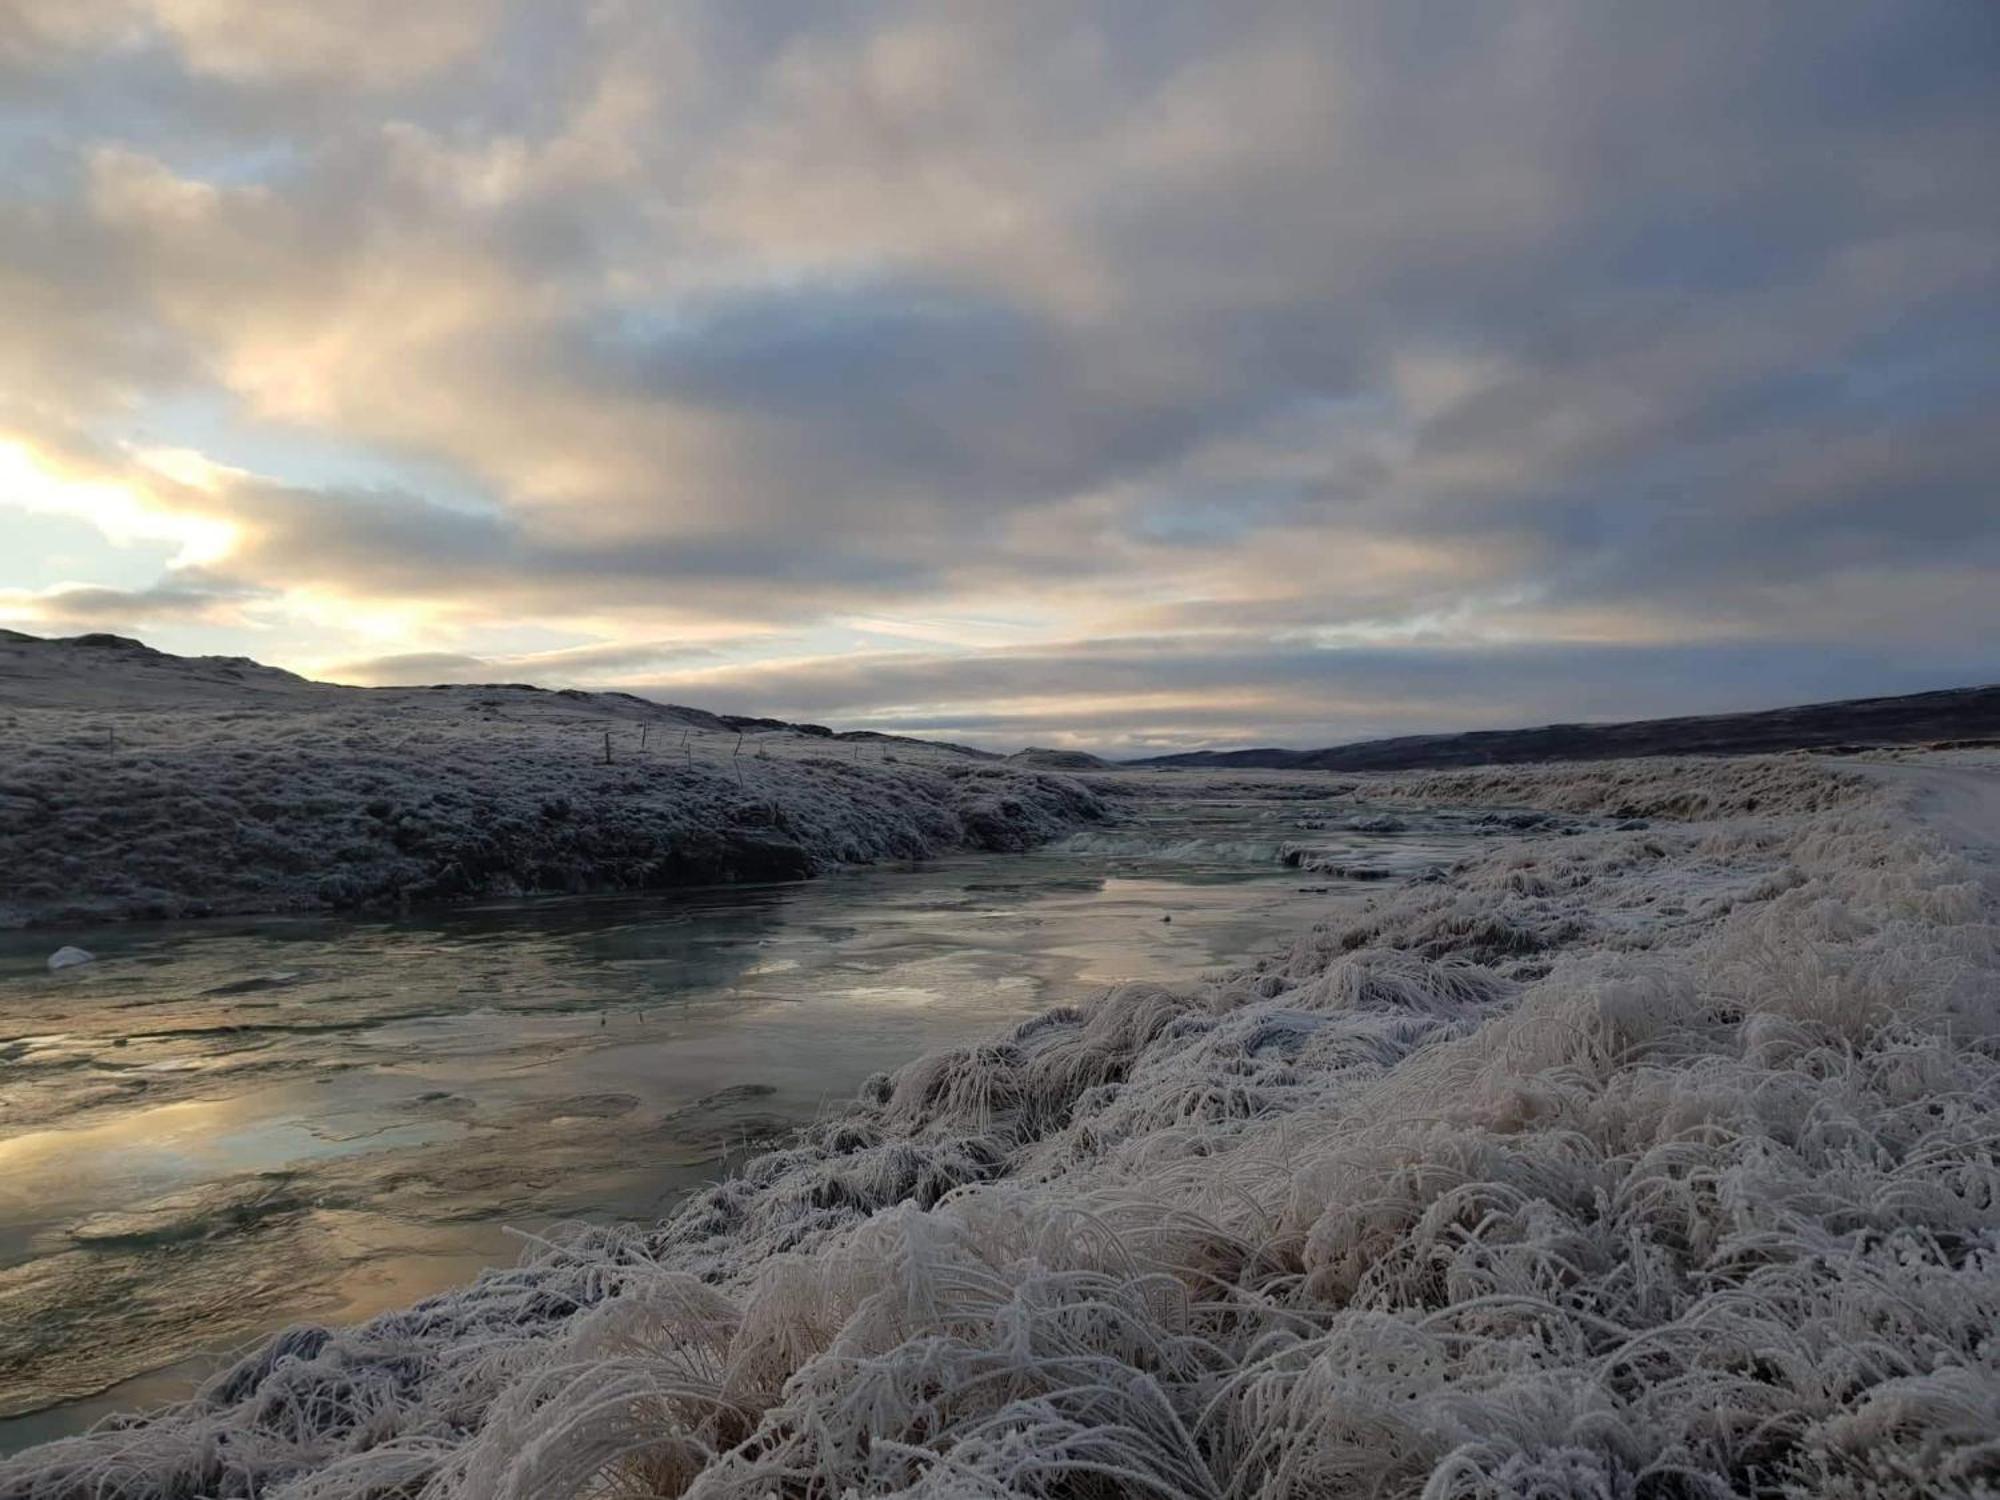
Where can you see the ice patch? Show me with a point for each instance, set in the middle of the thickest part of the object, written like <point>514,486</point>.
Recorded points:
<point>214,1208</point>
<point>1178,850</point>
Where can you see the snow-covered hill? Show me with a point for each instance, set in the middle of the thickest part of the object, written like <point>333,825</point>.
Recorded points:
<point>137,783</point>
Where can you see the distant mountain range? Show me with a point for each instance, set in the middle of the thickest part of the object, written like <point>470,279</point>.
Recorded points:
<point>1955,714</point>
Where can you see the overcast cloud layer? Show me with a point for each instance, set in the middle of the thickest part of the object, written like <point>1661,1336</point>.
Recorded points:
<point>1122,374</point>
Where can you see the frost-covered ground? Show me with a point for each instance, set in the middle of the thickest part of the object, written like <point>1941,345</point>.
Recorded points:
<point>1643,1162</point>
<point>137,784</point>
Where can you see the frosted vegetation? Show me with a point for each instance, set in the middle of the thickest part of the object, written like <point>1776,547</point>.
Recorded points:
<point>1653,1161</point>
<point>188,787</point>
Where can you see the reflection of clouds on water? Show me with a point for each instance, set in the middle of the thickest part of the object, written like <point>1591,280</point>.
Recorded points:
<point>894,996</point>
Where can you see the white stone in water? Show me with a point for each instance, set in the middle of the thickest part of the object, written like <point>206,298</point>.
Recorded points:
<point>67,957</point>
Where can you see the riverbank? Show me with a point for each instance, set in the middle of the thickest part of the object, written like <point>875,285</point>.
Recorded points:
<point>110,816</point>
<point>1636,1159</point>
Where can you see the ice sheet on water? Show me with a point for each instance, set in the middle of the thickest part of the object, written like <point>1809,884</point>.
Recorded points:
<point>1173,848</point>
<point>210,1209</point>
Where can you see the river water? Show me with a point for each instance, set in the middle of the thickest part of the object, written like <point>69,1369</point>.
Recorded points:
<point>219,1128</point>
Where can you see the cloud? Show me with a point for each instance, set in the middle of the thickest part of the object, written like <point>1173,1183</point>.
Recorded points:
<point>363,43</point>
<point>93,607</point>
<point>1540,327</point>
<point>565,667</point>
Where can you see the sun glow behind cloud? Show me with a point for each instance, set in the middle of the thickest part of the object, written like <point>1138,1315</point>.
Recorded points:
<point>124,509</point>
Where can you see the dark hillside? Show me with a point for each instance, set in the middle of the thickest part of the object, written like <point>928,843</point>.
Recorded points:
<point>1971,713</point>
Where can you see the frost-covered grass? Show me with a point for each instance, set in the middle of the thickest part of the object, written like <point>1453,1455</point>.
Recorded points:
<point>338,799</point>
<point>1651,1162</point>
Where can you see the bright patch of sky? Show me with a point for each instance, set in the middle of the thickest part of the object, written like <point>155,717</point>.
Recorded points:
<point>40,551</point>
<point>213,425</point>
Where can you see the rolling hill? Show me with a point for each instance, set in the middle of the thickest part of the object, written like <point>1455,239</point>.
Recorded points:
<point>1970,713</point>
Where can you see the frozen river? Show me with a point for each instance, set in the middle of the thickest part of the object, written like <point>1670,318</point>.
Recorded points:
<point>220,1128</point>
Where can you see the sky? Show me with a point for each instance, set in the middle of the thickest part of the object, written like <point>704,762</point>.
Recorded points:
<point>1131,376</point>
